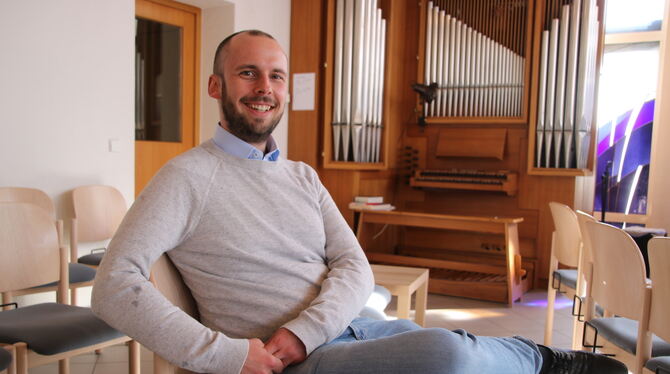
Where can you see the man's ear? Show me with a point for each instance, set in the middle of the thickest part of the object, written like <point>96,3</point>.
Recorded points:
<point>214,86</point>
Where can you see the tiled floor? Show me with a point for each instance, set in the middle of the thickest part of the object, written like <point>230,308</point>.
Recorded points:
<point>482,318</point>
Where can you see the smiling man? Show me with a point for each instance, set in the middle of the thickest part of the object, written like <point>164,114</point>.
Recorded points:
<point>276,272</point>
<point>251,96</point>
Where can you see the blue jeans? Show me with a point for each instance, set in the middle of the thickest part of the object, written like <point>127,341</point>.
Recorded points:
<point>392,347</point>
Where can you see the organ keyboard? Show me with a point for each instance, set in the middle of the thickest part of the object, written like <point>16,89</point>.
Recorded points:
<point>466,179</point>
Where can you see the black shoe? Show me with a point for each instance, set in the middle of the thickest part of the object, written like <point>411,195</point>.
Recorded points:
<point>557,361</point>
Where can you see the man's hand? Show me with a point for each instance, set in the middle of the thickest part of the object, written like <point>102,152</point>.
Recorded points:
<point>260,361</point>
<point>287,347</point>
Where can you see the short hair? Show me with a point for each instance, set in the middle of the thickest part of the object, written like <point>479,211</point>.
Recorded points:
<point>217,56</point>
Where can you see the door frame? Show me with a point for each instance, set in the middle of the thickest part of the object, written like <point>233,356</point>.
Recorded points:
<point>193,88</point>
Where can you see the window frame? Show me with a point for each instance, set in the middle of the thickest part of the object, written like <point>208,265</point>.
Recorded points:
<point>641,37</point>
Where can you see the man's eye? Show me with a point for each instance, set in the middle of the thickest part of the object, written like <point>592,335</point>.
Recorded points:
<point>278,77</point>
<point>247,73</point>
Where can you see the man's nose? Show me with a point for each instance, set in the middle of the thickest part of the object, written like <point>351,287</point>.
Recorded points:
<point>263,86</point>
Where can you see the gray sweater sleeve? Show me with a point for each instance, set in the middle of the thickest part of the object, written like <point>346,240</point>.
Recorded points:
<point>347,286</point>
<point>159,220</point>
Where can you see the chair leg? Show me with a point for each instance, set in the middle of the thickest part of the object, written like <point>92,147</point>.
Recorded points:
<point>21,358</point>
<point>577,332</point>
<point>549,323</point>
<point>64,366</point>
<point>161,366</point>
<point>6,299</point>
<point>134,357</point>
<point>73,296</point>
<point>11,369</point>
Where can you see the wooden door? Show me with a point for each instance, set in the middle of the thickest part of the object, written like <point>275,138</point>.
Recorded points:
<point>166,84</point>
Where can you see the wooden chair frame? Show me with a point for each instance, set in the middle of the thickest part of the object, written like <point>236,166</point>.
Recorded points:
<point>659,262</point>
<point>51,252</point>
<point>41,199</point>
<point>166,278</point>
<point>12,365</point>
<point>98,211</point>
<point>566,249</point>
<point>620,286</point>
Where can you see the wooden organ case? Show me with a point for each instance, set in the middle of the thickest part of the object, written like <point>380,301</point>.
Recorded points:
<point>469,152</point>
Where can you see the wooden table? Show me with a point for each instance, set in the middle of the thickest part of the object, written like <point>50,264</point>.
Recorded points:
<point>403,281</point>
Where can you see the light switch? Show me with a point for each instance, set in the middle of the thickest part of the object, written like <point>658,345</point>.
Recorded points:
<point>114,145</point>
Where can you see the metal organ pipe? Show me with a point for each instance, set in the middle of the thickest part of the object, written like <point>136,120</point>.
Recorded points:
<point>380,87</point>
<point>356,119</point>
<point>551,89</point>
<point>566,102</point>
<point>571,83</point>
<point>337,90</point>
<point>544,56</point>
<point>561,67</point>
<point>479,72</point>
<point>360,37</point>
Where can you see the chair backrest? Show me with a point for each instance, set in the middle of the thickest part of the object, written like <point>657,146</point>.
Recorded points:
<point>28,195</point>
<point>166,278</point>
<point>619,275</point>
<point>582,218</point>
<point>659,262</point>
<point>28,247</point>
<point>567,237</point>
<point>98,210</point>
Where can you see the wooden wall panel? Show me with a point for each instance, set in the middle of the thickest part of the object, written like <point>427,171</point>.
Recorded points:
<point>306,49</point>
<point>400,120</point>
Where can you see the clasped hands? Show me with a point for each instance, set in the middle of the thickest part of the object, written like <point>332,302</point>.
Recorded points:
<point>280,351</point>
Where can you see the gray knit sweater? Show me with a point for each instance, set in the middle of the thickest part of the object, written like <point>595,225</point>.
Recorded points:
<point>260,244</point>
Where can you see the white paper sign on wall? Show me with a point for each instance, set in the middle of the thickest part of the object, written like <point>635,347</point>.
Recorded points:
<point>303,91</point>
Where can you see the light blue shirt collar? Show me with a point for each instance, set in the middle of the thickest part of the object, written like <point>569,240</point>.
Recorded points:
<point>237,147</point>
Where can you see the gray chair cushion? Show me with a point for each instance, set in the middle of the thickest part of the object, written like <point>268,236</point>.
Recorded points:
<point>623,333</point>
<point>78,273</point>
<point>5,359</point>
<point>635,231</point>
<point>662,364</point>
<point>52,328</point>
<point>92,259</point>
<point>378,301</point>
<point>568,277</point>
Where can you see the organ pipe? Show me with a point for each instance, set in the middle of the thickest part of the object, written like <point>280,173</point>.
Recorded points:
<point>566,102</point>
<point>476,60</point>
<point>360,37</point>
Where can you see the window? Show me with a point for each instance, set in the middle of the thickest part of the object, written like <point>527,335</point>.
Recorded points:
<point>627,92</point>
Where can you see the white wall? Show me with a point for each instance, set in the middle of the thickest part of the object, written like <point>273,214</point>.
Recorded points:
<point>217,23</point>
<point>221,18</point>
<point>66,90</point>
<point>66,87</point>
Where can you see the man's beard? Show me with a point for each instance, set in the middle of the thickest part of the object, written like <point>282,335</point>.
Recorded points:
<point>240,126</point>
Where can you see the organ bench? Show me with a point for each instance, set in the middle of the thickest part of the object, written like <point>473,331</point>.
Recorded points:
<point>476,276</point>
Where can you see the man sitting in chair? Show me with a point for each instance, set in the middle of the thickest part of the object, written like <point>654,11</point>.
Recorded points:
<point>276,272</point>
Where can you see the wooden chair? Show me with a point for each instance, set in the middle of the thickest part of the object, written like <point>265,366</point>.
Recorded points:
<point>619,285</point>
<point>80,275</point>
<point>7,360</point>
<point>659,323</point>
<point>168,281</point>
<point>47,332</point>
<point>586,258</point>
<point>166,278</point>
<point>566,245</point>
<point>98,211</point>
